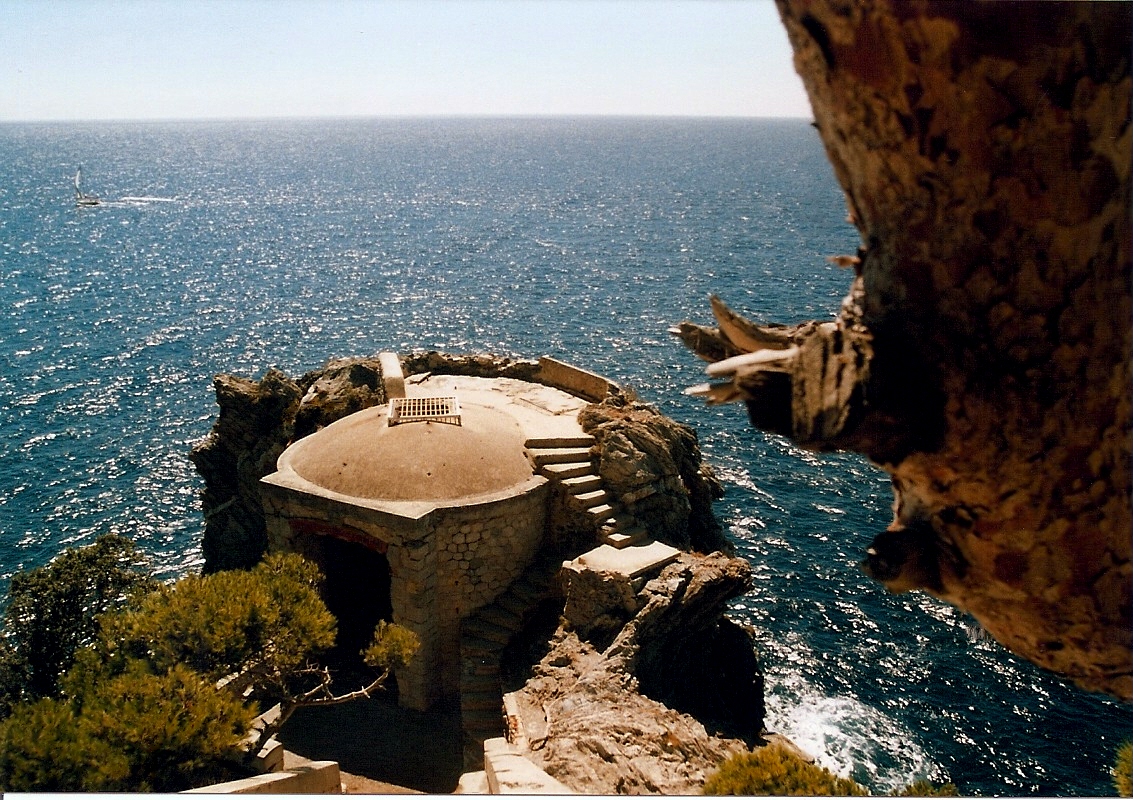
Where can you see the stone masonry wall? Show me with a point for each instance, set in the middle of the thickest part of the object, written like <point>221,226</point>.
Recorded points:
<point>480,550</point>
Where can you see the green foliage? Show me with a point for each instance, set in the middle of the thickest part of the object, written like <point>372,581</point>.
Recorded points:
<point>1123,770</point>
<point>158,701</point>
<point>775,770</point>
<point>249,628</point>
<point>53,610</point>
<point>173,727</point>
<point>923,788</point>
<point>134,731</point>
<point>46,747</point>
<point>393,646</point>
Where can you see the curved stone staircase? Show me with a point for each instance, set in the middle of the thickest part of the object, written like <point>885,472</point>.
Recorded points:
<point>483,636</point>
<point>623,545</point>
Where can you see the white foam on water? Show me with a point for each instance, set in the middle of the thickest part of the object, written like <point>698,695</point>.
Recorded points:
<point>851,739</point>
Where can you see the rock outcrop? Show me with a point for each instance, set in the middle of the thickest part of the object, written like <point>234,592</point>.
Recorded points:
<point>984,355</point>
<point>653,466</point>
<point>257,420</point>
<point>645,689</point>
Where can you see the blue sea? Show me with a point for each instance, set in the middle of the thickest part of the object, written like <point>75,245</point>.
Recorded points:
<point>240,246</point>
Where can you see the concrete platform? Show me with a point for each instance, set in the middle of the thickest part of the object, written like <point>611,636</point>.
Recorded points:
<point>544,413</point>
<point>631,561</point>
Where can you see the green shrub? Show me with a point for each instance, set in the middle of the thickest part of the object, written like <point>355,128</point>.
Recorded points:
<point>775,770</point>
<point>53,610</point>
<point>1123,770</point>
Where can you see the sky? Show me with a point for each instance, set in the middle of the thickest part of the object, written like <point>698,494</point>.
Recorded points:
<point>191,59</point>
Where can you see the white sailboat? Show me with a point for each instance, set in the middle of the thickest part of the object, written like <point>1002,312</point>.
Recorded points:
<point>82,199</point>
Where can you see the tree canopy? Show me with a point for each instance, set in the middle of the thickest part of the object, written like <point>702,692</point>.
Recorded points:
<point>53,610</point>
<point>161,687</point>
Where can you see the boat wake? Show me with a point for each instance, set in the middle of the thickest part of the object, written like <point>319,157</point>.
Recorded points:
<point>147,200</point>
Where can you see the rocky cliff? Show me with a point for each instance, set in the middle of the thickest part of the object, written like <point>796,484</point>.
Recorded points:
<point>984,355</point>
<point>646,688</point>
<point>257,420</point>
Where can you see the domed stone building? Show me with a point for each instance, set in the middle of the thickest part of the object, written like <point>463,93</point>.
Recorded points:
<point>426,509</point>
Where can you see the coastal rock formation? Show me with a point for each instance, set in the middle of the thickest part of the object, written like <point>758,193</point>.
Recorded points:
<point>984,355</point>
<point>653,466</point>
<point>646,690</point>
<point>257,420</point>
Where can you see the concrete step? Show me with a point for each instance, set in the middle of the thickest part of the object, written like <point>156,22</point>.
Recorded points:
<point>547,442</point>
<point>481,665</point>
<point>566,469</point>
<point>582,483</point>
<point>476,647</point>
<point>483,629</point>
<point>640,558</point>
<point>619,538</point>
<point>482,701</point>
<point>472,783</point>
<point>591,499</point>
<point>558,455</point>
<point>500,617</point>
<point>470,683</point>
<point>515,604</point>
<point>601,512</point>
<point>482,719</point>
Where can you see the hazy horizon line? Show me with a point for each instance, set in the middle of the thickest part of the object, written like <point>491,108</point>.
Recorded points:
<point>406,116</point>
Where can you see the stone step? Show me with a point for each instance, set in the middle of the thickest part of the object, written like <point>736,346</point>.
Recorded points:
<point>619,538</point>
<point>472,783</point>
<point>582,483</point>
<point>471,683</point>
<point>566,469</point>
<point>480,665</point>
<point>500,617</point>
<point>547,442</point>
<point>483,629</point>
<point>591,499</point>
<point>558,455</point>
<point>640,558</point>
<point>515,603</point>
<point>476,647</point>
<point>482,719</point>
<point>601,512</point>
<point>482,701</point>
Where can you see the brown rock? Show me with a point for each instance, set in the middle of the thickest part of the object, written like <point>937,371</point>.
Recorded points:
<point>984,356</point>
<point>653,466</point>
<point>611,722</point>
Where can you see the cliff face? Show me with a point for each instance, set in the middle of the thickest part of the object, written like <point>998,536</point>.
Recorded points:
<point>984,354</point>
<point>257,420</point>
<point>653,466</point>
<point>643,690</point>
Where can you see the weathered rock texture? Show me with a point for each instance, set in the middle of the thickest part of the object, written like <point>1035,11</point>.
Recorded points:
<point>984,354</point>
<point>620,703</point>
<point>653,466</point>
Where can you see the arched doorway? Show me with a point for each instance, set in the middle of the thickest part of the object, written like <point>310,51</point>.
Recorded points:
<point>356,583</point>
<point>356,591</point>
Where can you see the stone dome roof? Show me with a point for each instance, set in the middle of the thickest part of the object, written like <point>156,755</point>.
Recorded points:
<point>362,456</point>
